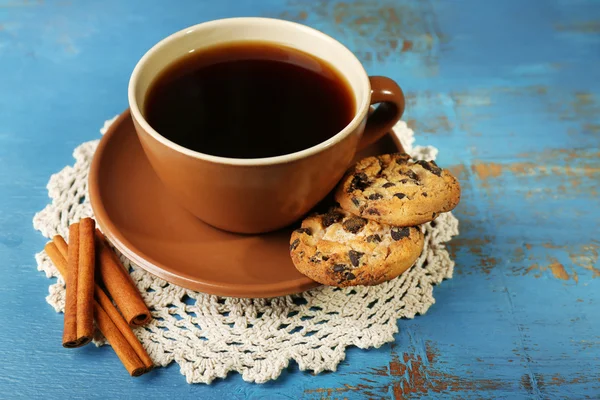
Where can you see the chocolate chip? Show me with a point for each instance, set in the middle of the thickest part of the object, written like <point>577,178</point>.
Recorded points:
<point>388,184</point>
<point>355,257</point>
<point>430,166</point>
<point>360,181</point>
<point>354,224</point>
<point>424,194</point>
<point>381,164</point>
<point>412,175</point>
<point>316,258</point>
<point>304,230</point>
<point>374,238</point>
<point>404,181</point>
<point>331,218</point>
<point>399,233</point>
<point>376,196</point>
<point>400,195</point>
<point>373,211</point>
<point>339,267</point>
<point>294,244</point>
<point>350,276</point>
<point>324,258</point>
<point>401,157</point>
<point>355,201</point>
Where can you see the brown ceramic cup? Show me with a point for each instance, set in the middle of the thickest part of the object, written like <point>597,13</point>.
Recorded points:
<point>261,194</point>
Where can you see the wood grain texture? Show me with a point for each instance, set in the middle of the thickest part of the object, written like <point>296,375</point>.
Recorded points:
<point>508,91</point>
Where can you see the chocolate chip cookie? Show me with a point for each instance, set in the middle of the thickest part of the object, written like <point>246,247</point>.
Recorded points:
<point>395,190</point>
<point>341,249</point>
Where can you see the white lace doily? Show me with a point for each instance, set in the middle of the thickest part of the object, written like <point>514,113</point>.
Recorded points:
<point>208,336</point>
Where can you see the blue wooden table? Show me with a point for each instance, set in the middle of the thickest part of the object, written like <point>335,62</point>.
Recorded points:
<point>509,91</point>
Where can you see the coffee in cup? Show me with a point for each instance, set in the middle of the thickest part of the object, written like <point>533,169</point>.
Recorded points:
<point>249,100</point>
<point>250,122</point>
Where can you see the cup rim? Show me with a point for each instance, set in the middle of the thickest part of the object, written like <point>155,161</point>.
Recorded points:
<point>359,115</point>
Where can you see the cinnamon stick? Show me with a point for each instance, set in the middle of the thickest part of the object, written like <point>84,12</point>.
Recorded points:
<point>116,330</point>
<point>58,258</point>
<point>70,337</point>
<point>124,351</point>
<point>85,279</point>
<point>124,328</point>
<point>110,309</point>
<point>61,245</point>
<point>119,284</point>
<point>112,312</point>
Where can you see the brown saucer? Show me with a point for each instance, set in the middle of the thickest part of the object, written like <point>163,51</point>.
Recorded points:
<point>143,222</point>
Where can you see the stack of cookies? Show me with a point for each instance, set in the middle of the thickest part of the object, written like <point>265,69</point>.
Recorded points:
<point>373,235</point>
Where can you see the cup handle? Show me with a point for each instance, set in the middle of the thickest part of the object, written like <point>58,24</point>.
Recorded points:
<point>391,98</point>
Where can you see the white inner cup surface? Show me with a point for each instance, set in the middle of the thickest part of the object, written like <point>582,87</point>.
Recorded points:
<point>213,33</point>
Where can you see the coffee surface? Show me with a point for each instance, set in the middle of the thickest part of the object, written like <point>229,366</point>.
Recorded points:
<point>249,100</point>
